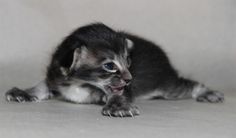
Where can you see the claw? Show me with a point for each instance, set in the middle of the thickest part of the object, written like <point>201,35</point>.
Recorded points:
<point>9,97</point>
<point>35,99</point>
<point>131,114</point>
<point>108,112</point>
<point>18,99</point>
<point>121,115</point>
<point>104,112</point>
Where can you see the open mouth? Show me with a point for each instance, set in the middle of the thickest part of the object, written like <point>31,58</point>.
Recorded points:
<point>116,89</point>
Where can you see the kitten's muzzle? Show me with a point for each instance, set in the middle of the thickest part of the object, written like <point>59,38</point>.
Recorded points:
<point>117,86</point>
<point>126,76</point>
<point>119,82</point>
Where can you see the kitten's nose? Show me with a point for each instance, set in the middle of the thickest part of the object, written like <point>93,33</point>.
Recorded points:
<point>126,76</point>
<point>127,81</point>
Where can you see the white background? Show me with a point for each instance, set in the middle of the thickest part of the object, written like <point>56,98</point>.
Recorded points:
<point>198,35</point>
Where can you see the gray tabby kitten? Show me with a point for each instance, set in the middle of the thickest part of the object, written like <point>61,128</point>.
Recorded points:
<point>96,64</point>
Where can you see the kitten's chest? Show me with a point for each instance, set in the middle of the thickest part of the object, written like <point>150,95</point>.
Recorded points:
<point>75,94</point>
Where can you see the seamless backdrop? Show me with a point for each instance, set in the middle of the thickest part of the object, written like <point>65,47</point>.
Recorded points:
<point>198,35</point>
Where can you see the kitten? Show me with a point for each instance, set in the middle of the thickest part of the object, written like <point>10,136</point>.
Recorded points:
<point>96,64</point>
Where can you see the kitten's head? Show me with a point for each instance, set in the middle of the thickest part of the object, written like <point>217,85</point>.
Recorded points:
<point>103,64</point>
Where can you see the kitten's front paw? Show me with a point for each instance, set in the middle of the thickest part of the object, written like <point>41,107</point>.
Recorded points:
<point>18,95</point>
<point>120,111</point>
<point>211,96</point>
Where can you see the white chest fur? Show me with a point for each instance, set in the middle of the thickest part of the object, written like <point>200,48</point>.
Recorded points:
<point>75,94</point>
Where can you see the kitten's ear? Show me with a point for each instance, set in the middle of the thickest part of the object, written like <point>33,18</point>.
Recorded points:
<point>130,44</point>
<point>78,56</point>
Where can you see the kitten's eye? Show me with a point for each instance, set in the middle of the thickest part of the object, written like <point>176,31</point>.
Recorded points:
<point>110,67</point>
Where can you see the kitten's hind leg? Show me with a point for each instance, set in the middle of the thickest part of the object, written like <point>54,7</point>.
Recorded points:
<point>34,94</point>
<point>185,88</point>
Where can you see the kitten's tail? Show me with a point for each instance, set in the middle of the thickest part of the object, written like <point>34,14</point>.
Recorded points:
<point>37,93</point>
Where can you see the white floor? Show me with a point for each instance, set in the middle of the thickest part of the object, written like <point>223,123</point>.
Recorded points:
<point>199,37</point>
<point>158,119</point>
